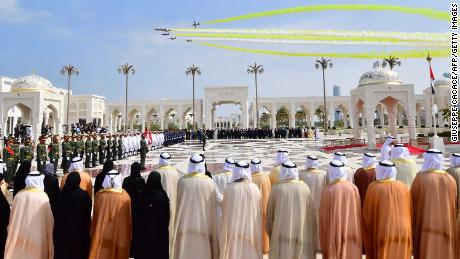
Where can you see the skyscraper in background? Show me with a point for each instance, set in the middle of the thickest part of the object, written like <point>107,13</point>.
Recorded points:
<point>336,90</point>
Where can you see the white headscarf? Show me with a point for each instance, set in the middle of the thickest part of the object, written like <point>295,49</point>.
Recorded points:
<point>196,165</point>
<point>228,165</point>
<point>2,167</point>
<point>282,156</point>
<point>369,160</point>
<point>112,180</point>
<point>241,171</point>
<point>340,156</point>
<point>76,165</point>
<point>385,170</point>
<point>336,170</point>
<point>432,159</point>
<point>455,160</point>
<point>289,171</point>
<point>399,151</point>
<point>311,162</point>
<point>35,179</point>
<point>256,166</point>
<point>164,159</point>
<point>385,149</point>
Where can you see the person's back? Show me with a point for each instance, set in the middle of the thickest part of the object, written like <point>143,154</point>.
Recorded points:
<point>454,171</point>
<point>405,166</point>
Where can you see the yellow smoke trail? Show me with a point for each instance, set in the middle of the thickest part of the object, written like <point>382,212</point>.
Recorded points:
<point>361,55</point>
<point>429,13</point>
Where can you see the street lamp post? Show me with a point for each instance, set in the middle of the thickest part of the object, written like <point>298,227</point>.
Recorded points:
<point>323,64</point>
<point>433,114</point>
<point>256,69</point>
<point>125,70</point>
<point>193,70</point>
<point>69,70</point>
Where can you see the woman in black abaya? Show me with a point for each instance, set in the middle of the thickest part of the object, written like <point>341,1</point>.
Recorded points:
<point>108,166</point>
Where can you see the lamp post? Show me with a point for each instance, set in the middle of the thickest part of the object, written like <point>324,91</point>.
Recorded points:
<point>323,64</point>
<point>256,69</point>
<point>125,70</point>
<point>193,70</point>
<point>69,70</point>
<point>433,114</point>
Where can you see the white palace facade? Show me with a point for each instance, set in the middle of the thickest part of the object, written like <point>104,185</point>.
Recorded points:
<point>381,101</point>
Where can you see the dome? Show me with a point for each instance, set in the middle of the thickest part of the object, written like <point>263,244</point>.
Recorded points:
<point>32,83</point>
<point>444,81</point>
<point>380,75</point>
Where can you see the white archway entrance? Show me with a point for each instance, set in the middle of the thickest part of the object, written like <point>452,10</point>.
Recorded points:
<point>215,96</point>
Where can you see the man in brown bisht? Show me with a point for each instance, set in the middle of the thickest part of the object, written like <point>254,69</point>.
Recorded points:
<point>240,235</point>
<point>316,180</point>
<point>111,231</point>
<point>261,179</point>
<point>281,157</point>
<point>195,229</point>
<point>169,179</point>
<point>30,230</point>
<point>76,165</point>
<point>387,212</point>
<point>340,216</point>
<point>405,165</point>
<point>434,201</point>
<point>365,175</point>
<point>454,171</point>
<point>291,221</point>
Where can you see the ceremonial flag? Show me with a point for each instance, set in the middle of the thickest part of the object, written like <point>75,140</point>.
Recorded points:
<point>10,150</point>
<point>431,80</point>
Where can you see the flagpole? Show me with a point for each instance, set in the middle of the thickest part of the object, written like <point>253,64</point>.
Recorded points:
<point>435,132</point>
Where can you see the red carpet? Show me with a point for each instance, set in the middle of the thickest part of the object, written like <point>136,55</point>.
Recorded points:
<point>342,147</point>
<point>413,150</point>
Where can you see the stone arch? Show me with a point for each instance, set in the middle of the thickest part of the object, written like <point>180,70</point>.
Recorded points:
<point>265,116</point>
<point>171,118</point>
<point>134,119</point>
<point>301,116</point>
<point>18,113</point>
<point>282,116</point>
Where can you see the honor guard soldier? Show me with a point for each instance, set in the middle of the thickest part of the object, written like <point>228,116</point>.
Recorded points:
<point>41,154</point>
<point>67,153</point>
<point>143,151</point>
<point>73,144</point>
<point>114,147</point>
<point>108,154</point>
<point>27,153</point>
<point>95,146</point>
<point>8,157</point>
<point>80,146</point>
<point>53,152</point>
<point>102,146</point>
<point>17,151</point>
<point>88,151</point>
<point>120,146</point>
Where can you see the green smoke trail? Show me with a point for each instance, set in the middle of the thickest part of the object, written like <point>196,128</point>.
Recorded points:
<point>429,13</point>
<point>361,55</point>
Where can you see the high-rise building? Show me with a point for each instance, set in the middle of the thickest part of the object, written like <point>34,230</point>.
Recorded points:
<point>336,90</point>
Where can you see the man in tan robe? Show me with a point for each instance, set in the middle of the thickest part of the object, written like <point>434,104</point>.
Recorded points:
<point>316,180</point>
<point>340,156</point>
<point>365,175</point>
<point>340,216</point>
<point>222,180</point>
<point>85,184</point>
<point>387,212</point>
<point>261,179</point>
<point>196,223</point>
<point>241,235</point>
<point>454,171</point>
<point>434,201</point>
<point>405,165</point>
<point>291,221</point>
<point>169,179</point>
<point>281,156</point>
<point>30,229</point>
<point>111,230</point>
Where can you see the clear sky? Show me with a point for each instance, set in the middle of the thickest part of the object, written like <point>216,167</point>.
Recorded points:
<point>98,36</point>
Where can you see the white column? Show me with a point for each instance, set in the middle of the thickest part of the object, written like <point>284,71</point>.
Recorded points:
<point>370,130</point>
<point>244,114</point>
<point>292,119</point>
<point>143,122</point>
<point>392,119</point>
<point>382,116</point>
<point>411,125</point>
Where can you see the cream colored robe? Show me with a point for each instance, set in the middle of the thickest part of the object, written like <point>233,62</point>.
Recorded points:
<point>30,230</point>
<point>275,174</point>
<point>241,235</point>
<point>316,180</point>
<point>221,180</point>
<point>291,221</point>
<point>262,181</point>
<point>169,179</point>
<point>406,169</point>
<point>196,223</point>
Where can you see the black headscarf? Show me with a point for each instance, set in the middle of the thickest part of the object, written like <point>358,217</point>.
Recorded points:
<point>20,177</point>
<point>152,220</point>
<point>108,166</point>
<point>73,221</point>
<point>51,184</point>
<point>4,220</point>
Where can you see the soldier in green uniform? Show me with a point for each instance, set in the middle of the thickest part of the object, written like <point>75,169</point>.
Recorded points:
<point>27,153</point>
<point>114,147</point>
<point>95,146</point>
<point>88,151</point>
<point>8,158</point>
<point>120,146</point>
<point>102,147</point>
<point>17,151</point>
<point>80,146</point>
<point>73,145</point>
<point>41,154</point>
<point>143,151</point>
<point>67,154</point>
<point>53,152</point>
<point>108,154</point>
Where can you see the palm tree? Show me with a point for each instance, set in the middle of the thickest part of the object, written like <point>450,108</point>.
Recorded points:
<point>391,61</point>
<point>323,64</point>
<point>193,70</point>
<point>125,70</point>
<point>69,70</point>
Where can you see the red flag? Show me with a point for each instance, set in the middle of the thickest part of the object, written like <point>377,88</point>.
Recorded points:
<point>10,150</point>
<point>431,80</point>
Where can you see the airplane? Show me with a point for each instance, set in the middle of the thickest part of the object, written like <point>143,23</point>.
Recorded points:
<point>172,38</point>
<point>165,34</point>
<point>158,29</point>
<point>162,29</point>
<point>195,24</point>
<point>189,41</point>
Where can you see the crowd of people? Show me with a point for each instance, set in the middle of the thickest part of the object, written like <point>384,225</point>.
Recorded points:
<point>385,209</point>
<point>258,133</point>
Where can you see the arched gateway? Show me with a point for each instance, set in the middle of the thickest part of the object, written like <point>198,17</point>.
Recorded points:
<point>214,96</point>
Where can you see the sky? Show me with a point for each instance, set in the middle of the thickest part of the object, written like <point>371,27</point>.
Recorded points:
<point>98,36</point>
